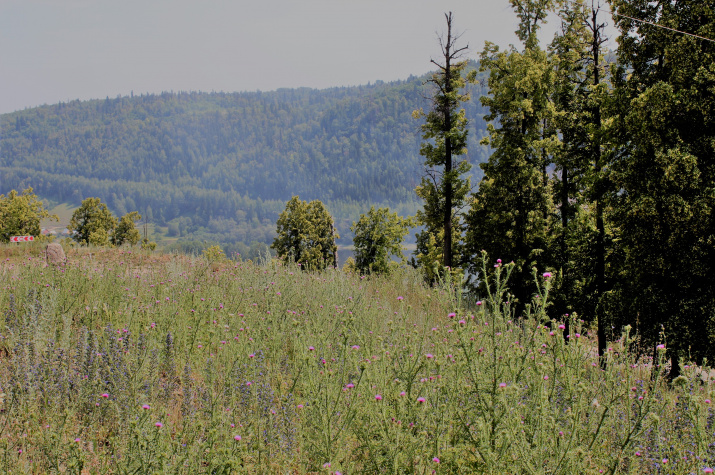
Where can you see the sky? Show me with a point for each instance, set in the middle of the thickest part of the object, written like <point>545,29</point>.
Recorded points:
<point>61,50</point>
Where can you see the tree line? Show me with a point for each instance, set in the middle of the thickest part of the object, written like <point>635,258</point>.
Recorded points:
<point>220,166</point>
<point>601,177</point>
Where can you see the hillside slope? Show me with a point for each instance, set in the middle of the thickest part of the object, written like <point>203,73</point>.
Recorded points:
<point>221,166</point>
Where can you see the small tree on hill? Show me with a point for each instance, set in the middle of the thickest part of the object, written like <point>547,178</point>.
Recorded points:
<point>378,236</point>
<point>126,231</point>
<point>306,234</point>
<point>92,223</point>
<point>20,214</point>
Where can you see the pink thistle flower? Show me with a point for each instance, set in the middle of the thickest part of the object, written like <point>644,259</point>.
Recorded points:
<point>78,440</point>
<point>400,298</point>
<point>547,275</point>
<point>310,348</point>
<point>420,400</point>
<point>707,401</point>
<point>237,437</point>
<point>158,425</point>
<point>146,407</point>
<point>562,327</point>
<point>378,397</point>
<point>105,395</point>
<point>502,385</point>
<point>435,460</point>
<point>403,394</point>
<point>452,315</point>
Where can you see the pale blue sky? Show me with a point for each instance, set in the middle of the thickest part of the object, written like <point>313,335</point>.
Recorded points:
<point>60,50</point>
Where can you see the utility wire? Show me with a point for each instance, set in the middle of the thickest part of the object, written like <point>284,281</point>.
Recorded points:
<point>665,27</point>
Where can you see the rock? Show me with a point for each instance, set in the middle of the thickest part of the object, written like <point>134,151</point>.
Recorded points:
<point>55,254</point>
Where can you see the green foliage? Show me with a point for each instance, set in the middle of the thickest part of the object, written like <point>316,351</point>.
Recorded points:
<point>665,173</point>
<point>306,235</point>
<point>378,237</point>
<point>262,369</point>
<point>444,186</point>
<point>512,213</point>
<point>213,253</point>
<point>126,231</point>
<point>20,215</point>
<point>92,223</point>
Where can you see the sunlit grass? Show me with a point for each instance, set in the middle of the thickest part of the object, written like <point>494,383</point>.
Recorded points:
<point>129,362</point>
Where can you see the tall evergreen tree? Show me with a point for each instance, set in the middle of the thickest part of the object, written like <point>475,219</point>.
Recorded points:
<point>512,213</point>
<point>666,173</point>
<point>581,92</point>
<point>444,188</point>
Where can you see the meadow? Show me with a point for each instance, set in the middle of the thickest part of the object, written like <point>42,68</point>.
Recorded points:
<point>130,362</point>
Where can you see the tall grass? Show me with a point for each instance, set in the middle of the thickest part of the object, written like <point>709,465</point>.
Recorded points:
<point>124,362</point>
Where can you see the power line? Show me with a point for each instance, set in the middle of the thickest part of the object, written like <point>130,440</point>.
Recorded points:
<point>662,26</point>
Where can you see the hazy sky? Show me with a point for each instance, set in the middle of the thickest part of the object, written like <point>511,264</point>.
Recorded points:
<point>60,50</point>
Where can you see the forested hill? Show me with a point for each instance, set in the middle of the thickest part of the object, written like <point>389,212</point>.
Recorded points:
<point>221,166</point>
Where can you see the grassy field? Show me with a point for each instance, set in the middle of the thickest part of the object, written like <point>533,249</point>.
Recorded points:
<point>130,362</point>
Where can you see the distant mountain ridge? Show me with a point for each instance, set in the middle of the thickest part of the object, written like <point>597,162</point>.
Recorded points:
<point>220,166</point>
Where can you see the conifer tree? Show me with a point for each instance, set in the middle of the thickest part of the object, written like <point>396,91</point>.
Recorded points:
<point>665,170</point>
<point>444,187</point>
<point>581,95</point>
<point>512,215</point>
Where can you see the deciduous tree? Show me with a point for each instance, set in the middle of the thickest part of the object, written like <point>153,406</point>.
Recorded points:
<point>306,234</point>
<point>92,223</point>
<point>20,214</point>
<point>378,237</point>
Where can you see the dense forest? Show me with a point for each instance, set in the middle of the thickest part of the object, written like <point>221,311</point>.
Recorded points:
<point>219,166</point>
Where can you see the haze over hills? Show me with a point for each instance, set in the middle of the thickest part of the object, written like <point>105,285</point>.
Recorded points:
<point>220,166</point>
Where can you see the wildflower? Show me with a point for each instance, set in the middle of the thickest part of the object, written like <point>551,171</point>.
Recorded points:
<point>547,275</point>
<point>479,302</point>
<point>146,407</point>
<point>660,347</point>
<point>452,315</point>
<point>252,355</point>
<point>355,347</point>
<point>638,454</point>
<point>350,385</point>
<point>462,322</point>
<point>403,394</point>
<point>420,400</point>
<point>105,395</point>
<point>502,385</point>
<point>310,348</point>
<point>400,298</point>
<point>708,470</point>
<point>707,401</point>
<point>158,425</point>
<point>326,465</point>
<point>236,437</point>
<point>562,327</point>
<point>546,377</point>
<point>78,440</point>
<point>378,397</point>
<point>435,460</point>
<point>429,356</point>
